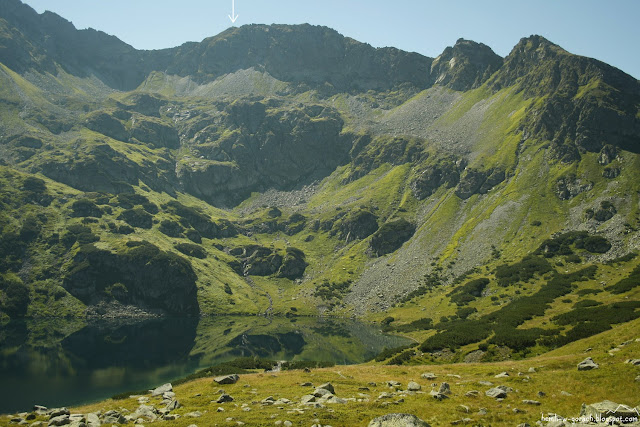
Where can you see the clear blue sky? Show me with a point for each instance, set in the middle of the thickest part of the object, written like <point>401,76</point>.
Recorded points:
<point>606,30</point>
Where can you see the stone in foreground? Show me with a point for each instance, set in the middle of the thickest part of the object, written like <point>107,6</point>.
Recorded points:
<point>227,379</point>
<point>587,364</point>
<point>398,420</point>
<point>162,390</point>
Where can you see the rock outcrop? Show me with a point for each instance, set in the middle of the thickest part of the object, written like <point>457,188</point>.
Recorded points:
<point>139,274</point>
<point>466,65</point>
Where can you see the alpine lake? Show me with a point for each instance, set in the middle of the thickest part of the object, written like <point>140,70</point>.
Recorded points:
<point>62,362</point>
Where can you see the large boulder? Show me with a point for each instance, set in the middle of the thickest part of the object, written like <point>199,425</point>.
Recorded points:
<point>159,391</point>
<point>227,379</point>
<point>398,420</point>
<point>499,392</point>
<point>587,365</point>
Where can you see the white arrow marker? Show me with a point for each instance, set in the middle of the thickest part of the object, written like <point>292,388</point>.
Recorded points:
<point>233,15</point>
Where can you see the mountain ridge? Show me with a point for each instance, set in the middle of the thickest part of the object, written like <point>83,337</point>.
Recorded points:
<point>290,170</point>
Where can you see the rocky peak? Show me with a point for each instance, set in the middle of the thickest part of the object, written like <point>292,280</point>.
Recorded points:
<point>305,55</point>
<point>465,66</point>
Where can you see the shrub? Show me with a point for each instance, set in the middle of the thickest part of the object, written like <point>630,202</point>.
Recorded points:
<point>78,233</point>
<point>624,258</point>
<point>328,290</point>
<point>84,208</point>
<point>586,303</point>
<point>627,283</point>
<point>401,358</point>
<point>573,258</point>
<point>416,325</point>
<point>583,292</point>
<point>517,339</point>
<point>456,335</point>
<point>191,250</point>
<point>469,291</point>
<point>619,312</point>
<point>16,296</point>
<point>30,229</point>
<point>137,217</point>
<point>170,228</point>
<point>597,244</point>
<point>465,312</point>
<point>193,235</point>
<point>389,352</point>
<point>387,320</point>
<point>390,236</point>
<point>522,271</point>
<point>34,184</point>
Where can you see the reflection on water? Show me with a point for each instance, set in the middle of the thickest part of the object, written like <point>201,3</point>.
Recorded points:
<point>67,362</point>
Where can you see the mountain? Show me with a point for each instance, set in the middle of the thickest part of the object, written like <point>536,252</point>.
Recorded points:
<point>475,202</point>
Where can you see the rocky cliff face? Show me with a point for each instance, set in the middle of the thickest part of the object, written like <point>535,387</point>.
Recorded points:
<point>251,147</point>
<point>140,274</point>
<point>466,65</point>
<point>580,111</point>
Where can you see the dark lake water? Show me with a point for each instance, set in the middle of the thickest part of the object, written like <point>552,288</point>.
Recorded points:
<point>64,363</point>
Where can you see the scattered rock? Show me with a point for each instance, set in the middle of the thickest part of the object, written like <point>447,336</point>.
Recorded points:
<point>428,376</point>
<point>224,398</point>
<point>393,384</point>
<point>309,398</point>
<point>464,408</point>
<point>93,420</point>
<point>307,384</point>
<point>444,389</point>
<point>531,402</point>
<point>385,395</point>
<point>320,392</point>
<point>541,394</point>
<point>144,411</point>
<point>532,370</point>
<point>565,393</point>
<point>227,379</point>
<point>437,395</point>
<point>414,386</point>
<point>162,390</point>
<point>485,383</point>
<point>327,386</point>
<point>113,417</point>
<point>587,364</point>
<point>398,420</point>
<point>502,375</point>
<point>499,392</point>
<point>172,405</point>
<point>462,421</point>
<point>635,362</point>
<point>472,393</point>
<point>40,410</point>
<point>58,411</point>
